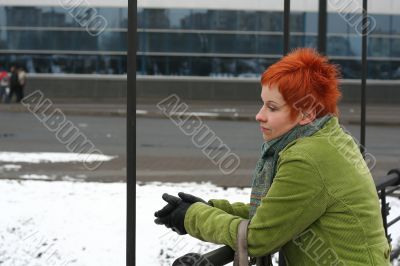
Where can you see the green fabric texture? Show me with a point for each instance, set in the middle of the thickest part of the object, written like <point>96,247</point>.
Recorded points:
<point>321,209</point>
<point>265,170</point>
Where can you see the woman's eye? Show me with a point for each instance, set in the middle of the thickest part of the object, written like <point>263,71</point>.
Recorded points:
<point>272,108</point>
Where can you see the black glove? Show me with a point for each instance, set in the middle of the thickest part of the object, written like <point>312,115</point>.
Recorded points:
<point>175,201</point>
<point>190,198</point>
<point>173,214</point>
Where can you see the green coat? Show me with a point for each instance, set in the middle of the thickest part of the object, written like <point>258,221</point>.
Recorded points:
<point>322,208</point>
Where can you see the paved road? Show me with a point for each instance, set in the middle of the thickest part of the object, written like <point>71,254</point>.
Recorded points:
<point>22,132</point>
<point>165,153</point>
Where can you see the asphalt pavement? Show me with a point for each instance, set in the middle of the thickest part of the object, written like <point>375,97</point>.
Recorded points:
<point>180,168</point>
<point>376,114</point>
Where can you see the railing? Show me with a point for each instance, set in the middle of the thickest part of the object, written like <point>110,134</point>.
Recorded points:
<point>385,186</point>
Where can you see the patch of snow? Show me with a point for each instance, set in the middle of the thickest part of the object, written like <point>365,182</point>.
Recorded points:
<point>51,157</point>
<point>38,177</point>
<point>62,223</point>
<point>9,167</point>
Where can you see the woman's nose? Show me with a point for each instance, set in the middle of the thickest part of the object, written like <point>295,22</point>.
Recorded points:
<point>260,117</point>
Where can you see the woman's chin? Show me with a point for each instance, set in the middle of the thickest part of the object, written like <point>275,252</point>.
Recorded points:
<point>266,137</point>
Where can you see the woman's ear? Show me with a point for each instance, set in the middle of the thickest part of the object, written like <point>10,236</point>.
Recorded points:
<point>307,117</point>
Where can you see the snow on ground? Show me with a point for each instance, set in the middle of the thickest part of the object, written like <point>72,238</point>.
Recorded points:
<point>62,223</point>
<point>9,167</point>
<point>158,245</point>
<point>83,224</point>
<point>51,157</point>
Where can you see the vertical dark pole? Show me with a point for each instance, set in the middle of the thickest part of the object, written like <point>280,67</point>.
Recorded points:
<point>131,145</point>
<point>363,75</point>
<point>384,210</point>
<point>286,43</point>
<point>286,26</point>
<point>322,18</point>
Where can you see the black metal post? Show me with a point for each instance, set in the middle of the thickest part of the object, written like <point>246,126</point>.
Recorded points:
<point>286,27</point>
<point>131,145</point>
<point>364,73</point>
<point>286,47</point>
<point>322,18</point>
<point>383,209</point>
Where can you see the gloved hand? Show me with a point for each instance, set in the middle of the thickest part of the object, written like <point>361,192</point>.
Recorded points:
<point>190,198</point>
<point>174,202</point>
<point>173,214</point>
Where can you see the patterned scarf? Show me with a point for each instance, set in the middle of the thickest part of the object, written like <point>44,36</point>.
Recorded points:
<point>265,170</point>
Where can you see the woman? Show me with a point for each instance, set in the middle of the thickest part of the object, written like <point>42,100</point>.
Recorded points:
<point>312,195</point>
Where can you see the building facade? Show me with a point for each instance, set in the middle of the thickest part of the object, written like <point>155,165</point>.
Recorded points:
<point>65,36</point>
<point>242,38</point>
<point>208,38</point>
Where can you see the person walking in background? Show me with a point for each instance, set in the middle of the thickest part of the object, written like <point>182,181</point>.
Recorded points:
<point>4,82</point>
<point>14,83</point>
<point>21,83</point>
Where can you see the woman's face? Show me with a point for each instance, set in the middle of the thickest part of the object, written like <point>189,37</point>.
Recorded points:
<point>274,115</point>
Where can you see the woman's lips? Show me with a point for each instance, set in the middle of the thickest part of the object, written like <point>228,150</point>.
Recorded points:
<point>265,130</point>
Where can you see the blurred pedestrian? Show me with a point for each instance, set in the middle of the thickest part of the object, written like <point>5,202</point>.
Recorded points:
<point>21,83</point>
<point>4,83</point>
<point>14,83</point>
<point>312,195</point>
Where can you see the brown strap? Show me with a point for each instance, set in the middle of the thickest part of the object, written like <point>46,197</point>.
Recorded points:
<point>241,254</point>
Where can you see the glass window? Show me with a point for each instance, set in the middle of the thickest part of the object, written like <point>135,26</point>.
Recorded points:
<point>297,22</point>
<point>232,43</point>
<point>311,22</point>
<point>338,45</point>
<point>395,47</point>
<point>270,44</point>
<point>204,43</point>
<point>157,42</point>
<point>180,18</point>
<point>199,19</point>
<point>339,24</point>
<point>355,45</point>
<point>140,18</point>
<point>79,64</point>
<point>378,46</point>
<point>303,41</point>
<point>297,41</point>
<point>156,19</point>
<point>31,16</point>
<point>247,21</point>
<point>350,69</point>
<point>63,40</point>
<point>270,21</point>
<point>395,66</point>
<point>112,41</point>
<point>382,24</point>
<point>203,66</point>
<point>223,20</point>
<point>395,23</point>
<point>379,69</point>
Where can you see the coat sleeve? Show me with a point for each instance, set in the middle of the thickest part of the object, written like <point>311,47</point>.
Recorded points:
<point>238,208</point>
<point>295,200</point>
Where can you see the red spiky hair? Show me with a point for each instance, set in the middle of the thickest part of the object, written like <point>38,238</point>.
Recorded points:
<point>306,80</point>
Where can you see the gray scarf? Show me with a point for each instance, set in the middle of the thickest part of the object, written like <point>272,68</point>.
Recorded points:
<point>265,170</point>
